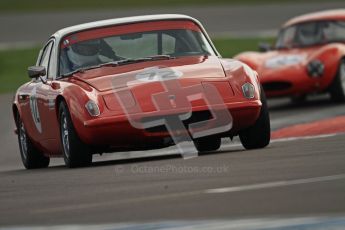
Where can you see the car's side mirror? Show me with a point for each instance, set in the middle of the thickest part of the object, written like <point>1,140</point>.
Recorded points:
<point>264,47</point>
<point>36,71</point>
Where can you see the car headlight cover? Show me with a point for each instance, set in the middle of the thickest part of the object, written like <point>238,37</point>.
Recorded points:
<point>248,90</point>
<point>92,108</point>
<point>315,68</point>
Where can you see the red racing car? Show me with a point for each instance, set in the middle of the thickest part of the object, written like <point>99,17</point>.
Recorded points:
<point>308,58</point>
<point>132,84</point>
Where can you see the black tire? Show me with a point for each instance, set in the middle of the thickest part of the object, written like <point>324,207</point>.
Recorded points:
<point>337,88</point>
<point>32,158</point>
<point>206,144</point>
<point>75,152</point>
<point>258,135</point>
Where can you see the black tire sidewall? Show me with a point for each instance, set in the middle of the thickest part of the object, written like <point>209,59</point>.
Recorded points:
<point>259,134</point>
<point>79,154</point>
<point>34,158</point>
<point>336,90</point>
<point>209,143</point>
<point>63,110</point>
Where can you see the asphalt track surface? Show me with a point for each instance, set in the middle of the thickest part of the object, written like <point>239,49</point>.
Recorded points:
<point>290,178</point>
<point>263,20</point>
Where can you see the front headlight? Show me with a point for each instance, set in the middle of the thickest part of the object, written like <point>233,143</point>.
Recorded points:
<point>315,68</point>
<point>248,90</point>
<point>92,108</point>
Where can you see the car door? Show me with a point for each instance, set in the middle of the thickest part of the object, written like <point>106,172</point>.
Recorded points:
<point>45,97</point>
<point>29,102</point>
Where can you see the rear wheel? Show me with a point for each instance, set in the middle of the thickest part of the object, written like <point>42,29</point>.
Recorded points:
<point>337,88</point>
<point>32,158</point>
<point>75,152</point>
<point>259,134</point>
<point>205,144</point>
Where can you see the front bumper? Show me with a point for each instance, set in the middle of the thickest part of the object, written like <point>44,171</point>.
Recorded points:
<point>292,82</point>
<point>117,131</point>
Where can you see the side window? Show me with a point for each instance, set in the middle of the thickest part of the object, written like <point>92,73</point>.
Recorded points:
<point>45,58</point>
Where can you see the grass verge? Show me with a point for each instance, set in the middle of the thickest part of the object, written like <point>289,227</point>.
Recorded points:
<point>14,62</point>
<point>13,67</point>
<point>229,47</point>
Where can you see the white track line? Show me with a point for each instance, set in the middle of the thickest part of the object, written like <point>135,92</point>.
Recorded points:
<point>275,184</point>
<point>70,207</point>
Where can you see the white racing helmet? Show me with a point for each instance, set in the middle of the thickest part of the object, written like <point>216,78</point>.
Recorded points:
<point>84,53</point>
<point>310,34</point>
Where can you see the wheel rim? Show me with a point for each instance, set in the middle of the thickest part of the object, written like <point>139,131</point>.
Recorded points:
<point>23,141</point>
<point>65,134</point>
<point>342,76</point>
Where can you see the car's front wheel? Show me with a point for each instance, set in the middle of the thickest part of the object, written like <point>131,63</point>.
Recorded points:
<point>32,158</point>
<point>337,88</point>
<point>75,152</point>
<point>259,134</point>
<point>209,143</point>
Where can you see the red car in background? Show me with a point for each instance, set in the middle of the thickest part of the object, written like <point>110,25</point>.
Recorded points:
<point>308,58</point>
<point>108,85</point>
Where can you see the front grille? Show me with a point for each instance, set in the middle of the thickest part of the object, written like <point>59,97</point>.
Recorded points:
<point>276,86</point>
<point>195,117</point>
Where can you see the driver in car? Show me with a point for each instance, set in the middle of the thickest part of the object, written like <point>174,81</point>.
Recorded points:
<point>85,54</point>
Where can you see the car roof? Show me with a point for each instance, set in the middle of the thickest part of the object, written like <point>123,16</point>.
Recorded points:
<point>119,21</point>
<point>338,14</point>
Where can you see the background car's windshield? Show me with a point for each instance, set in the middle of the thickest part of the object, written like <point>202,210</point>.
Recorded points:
<point>173,42</point>
<point>311,33</point>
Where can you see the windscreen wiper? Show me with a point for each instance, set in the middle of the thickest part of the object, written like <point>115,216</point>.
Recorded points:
<point>120,62</point>
<point>136,60</point>
<point>80,70</point>
<point>160,57</point>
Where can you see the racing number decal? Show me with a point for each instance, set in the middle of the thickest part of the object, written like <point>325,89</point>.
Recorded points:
<point>158,74</point>
<point>34,109</point>
<point>176,96</point>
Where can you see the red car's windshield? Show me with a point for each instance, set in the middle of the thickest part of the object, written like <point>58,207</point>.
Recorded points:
<point>311,33</point>
<point>99,46</point>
